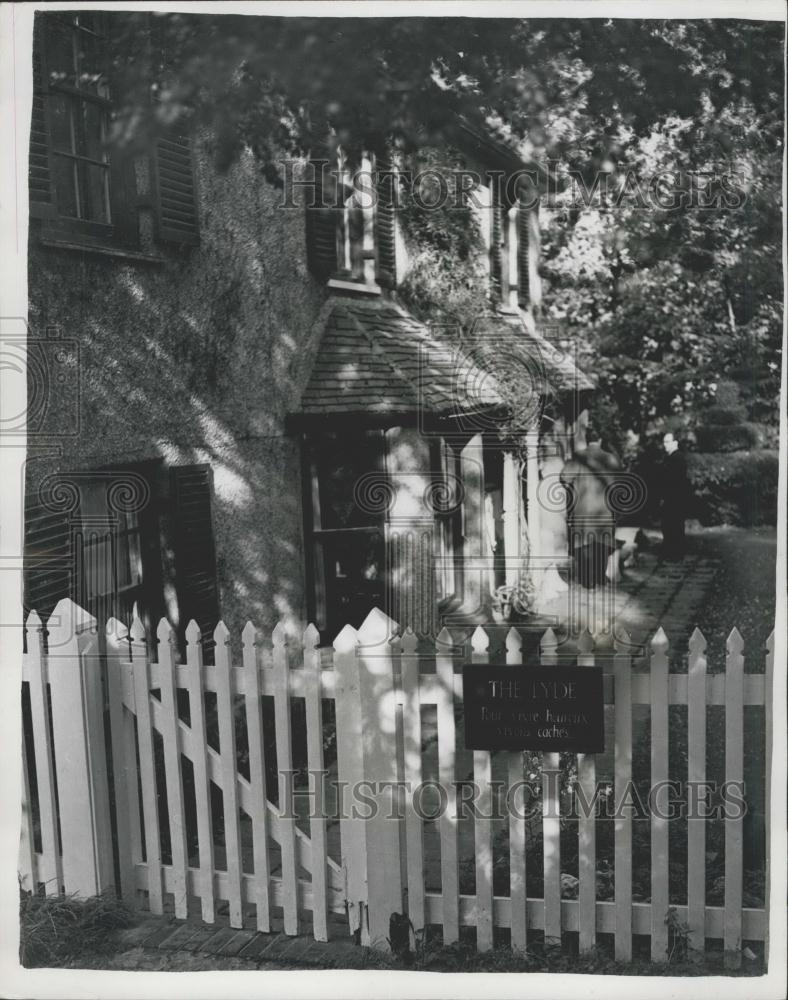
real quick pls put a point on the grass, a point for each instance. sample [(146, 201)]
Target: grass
[(463, 957), (68, 932), (56, 930)]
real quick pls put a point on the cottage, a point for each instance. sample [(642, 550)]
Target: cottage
[(240, 417)]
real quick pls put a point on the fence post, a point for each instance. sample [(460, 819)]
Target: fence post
[(366, 722), (80, 753), (124, 759), (379, 722)]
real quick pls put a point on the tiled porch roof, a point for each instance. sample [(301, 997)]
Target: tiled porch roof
[(373, 357)]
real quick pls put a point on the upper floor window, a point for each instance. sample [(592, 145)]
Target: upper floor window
[(82, 186), (351, 225), (513, 237), (79, 115)]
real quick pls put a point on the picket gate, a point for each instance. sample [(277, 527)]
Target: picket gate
[(279, 871)]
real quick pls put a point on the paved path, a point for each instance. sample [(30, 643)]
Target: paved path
[(178, 939), (649, 595)]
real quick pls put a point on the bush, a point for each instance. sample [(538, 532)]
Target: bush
[(723, 415), (728, 437), (735, 488)]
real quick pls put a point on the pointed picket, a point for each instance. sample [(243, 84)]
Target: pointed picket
[(284, 758), (380, 755), (172, 766), (514, 645), (411, 734), (447, 751), (551, 816), (622, 667), (480, 641), (202, 787), (517, 874), (313, 694), (696, 775), (482, 826), (150, 800), (659, 692), (254, 728), (124, 758), (377, 629), (349, 729), (51, 873), (586, 825), (734, 774), (225, 708)]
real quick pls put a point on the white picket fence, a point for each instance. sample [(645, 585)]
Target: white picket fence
[(379, 688)]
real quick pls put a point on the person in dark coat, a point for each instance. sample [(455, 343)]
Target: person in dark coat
[(592, 530), (675, 498)]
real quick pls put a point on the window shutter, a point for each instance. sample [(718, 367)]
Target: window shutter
[(385, 225), (49, 564), (39, 172), (496, 243), (195, 552), (322, 229), (523, 254), (175, 191)]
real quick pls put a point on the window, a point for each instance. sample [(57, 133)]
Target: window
[(123, 539), (351, 227), (514, 250), (111, 559), (81, 186), (362, 553), (79, 107), (348, 537)]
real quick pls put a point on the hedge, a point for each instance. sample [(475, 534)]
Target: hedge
[(734, 488), (728, 438)]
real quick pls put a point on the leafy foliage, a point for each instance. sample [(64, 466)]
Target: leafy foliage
[(667, 274), (446, 280), (735, 488)]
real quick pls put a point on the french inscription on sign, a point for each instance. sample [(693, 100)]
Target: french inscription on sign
[(533, 708)]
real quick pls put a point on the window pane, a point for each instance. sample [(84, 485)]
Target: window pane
[(91, 62), (355, 577), (61, 125), (94, 187), (93, 125), (341, 464), (64, 170), (60, 53)]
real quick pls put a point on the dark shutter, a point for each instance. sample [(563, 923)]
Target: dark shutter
[(195, 552), (175, 191), (523, 253), (40, 178), (49, 564), (385, 225), (496, 242), (322, 219)]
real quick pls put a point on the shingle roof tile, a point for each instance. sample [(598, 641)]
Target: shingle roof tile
[(374, 356)]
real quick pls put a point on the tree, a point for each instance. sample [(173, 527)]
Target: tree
[(664, 299)]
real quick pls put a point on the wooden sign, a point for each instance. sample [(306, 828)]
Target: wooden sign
[(533, 708)]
